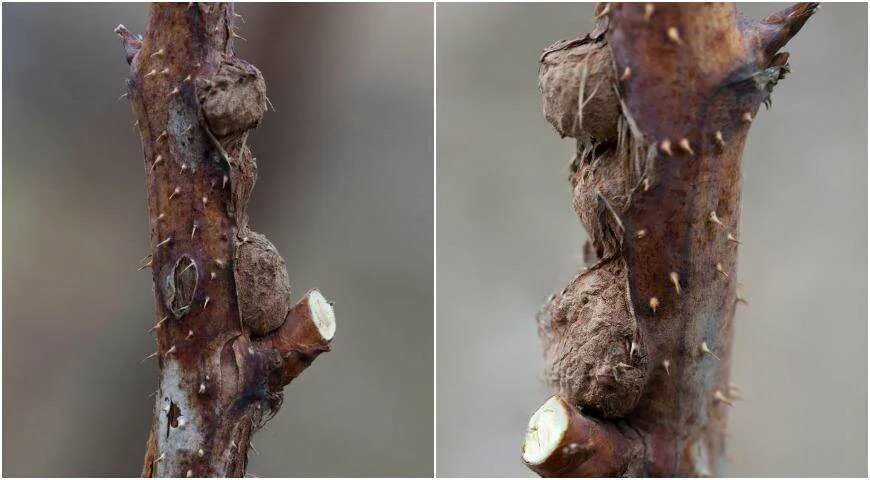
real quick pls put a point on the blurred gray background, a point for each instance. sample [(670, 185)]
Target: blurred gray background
[(345, 193), (507, 238)]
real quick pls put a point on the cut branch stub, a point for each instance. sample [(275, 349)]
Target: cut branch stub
[(561, 442), (228, 341), (660, 201), (304, 334)]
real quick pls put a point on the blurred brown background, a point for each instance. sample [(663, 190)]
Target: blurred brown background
[(507, 238), (345, 193)]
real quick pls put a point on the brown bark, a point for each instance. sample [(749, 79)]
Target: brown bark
[(640, 342), (228, 339)]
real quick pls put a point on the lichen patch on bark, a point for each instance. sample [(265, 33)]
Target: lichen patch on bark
[(184, 436)]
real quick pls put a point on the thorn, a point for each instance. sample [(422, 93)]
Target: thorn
[(156, 161), (631, 350), (183, 167), (160, 458), (640, 233), (715, 219), (706, 349), (604, 12), (152, 72), (674, 35), (226, 179), (157, 325), (220, 263), (190, 474), (648, 10), (136, 123), (626, 74), (175, 192), (158, 53), (143, 267), (236, 35), (684, 144), (675, 279), (174, 92), (200, 452), (192, 232), (747, 117), (739, 299), (719, 139), (253, 448), (161, 136), (205, 303), (124, 95), (731, 238), (201, 391), (232, 444), (149, 357), (722, 398), (205, 200), (720, 269), (187, 79), (646, 184), (165, 71), (164, 242), (667, 364), (189, 335), (169, 352), (654, 304), (666, 147), (212, 275), (239, 17)]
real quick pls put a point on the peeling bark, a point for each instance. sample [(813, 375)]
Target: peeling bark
[(638, 346), (228, 339)]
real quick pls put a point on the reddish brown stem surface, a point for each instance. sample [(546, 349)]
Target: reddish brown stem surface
[(659, 193), (222, 369)]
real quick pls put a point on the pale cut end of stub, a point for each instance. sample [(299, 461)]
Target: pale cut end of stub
[(322, 315), (546, 430)]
